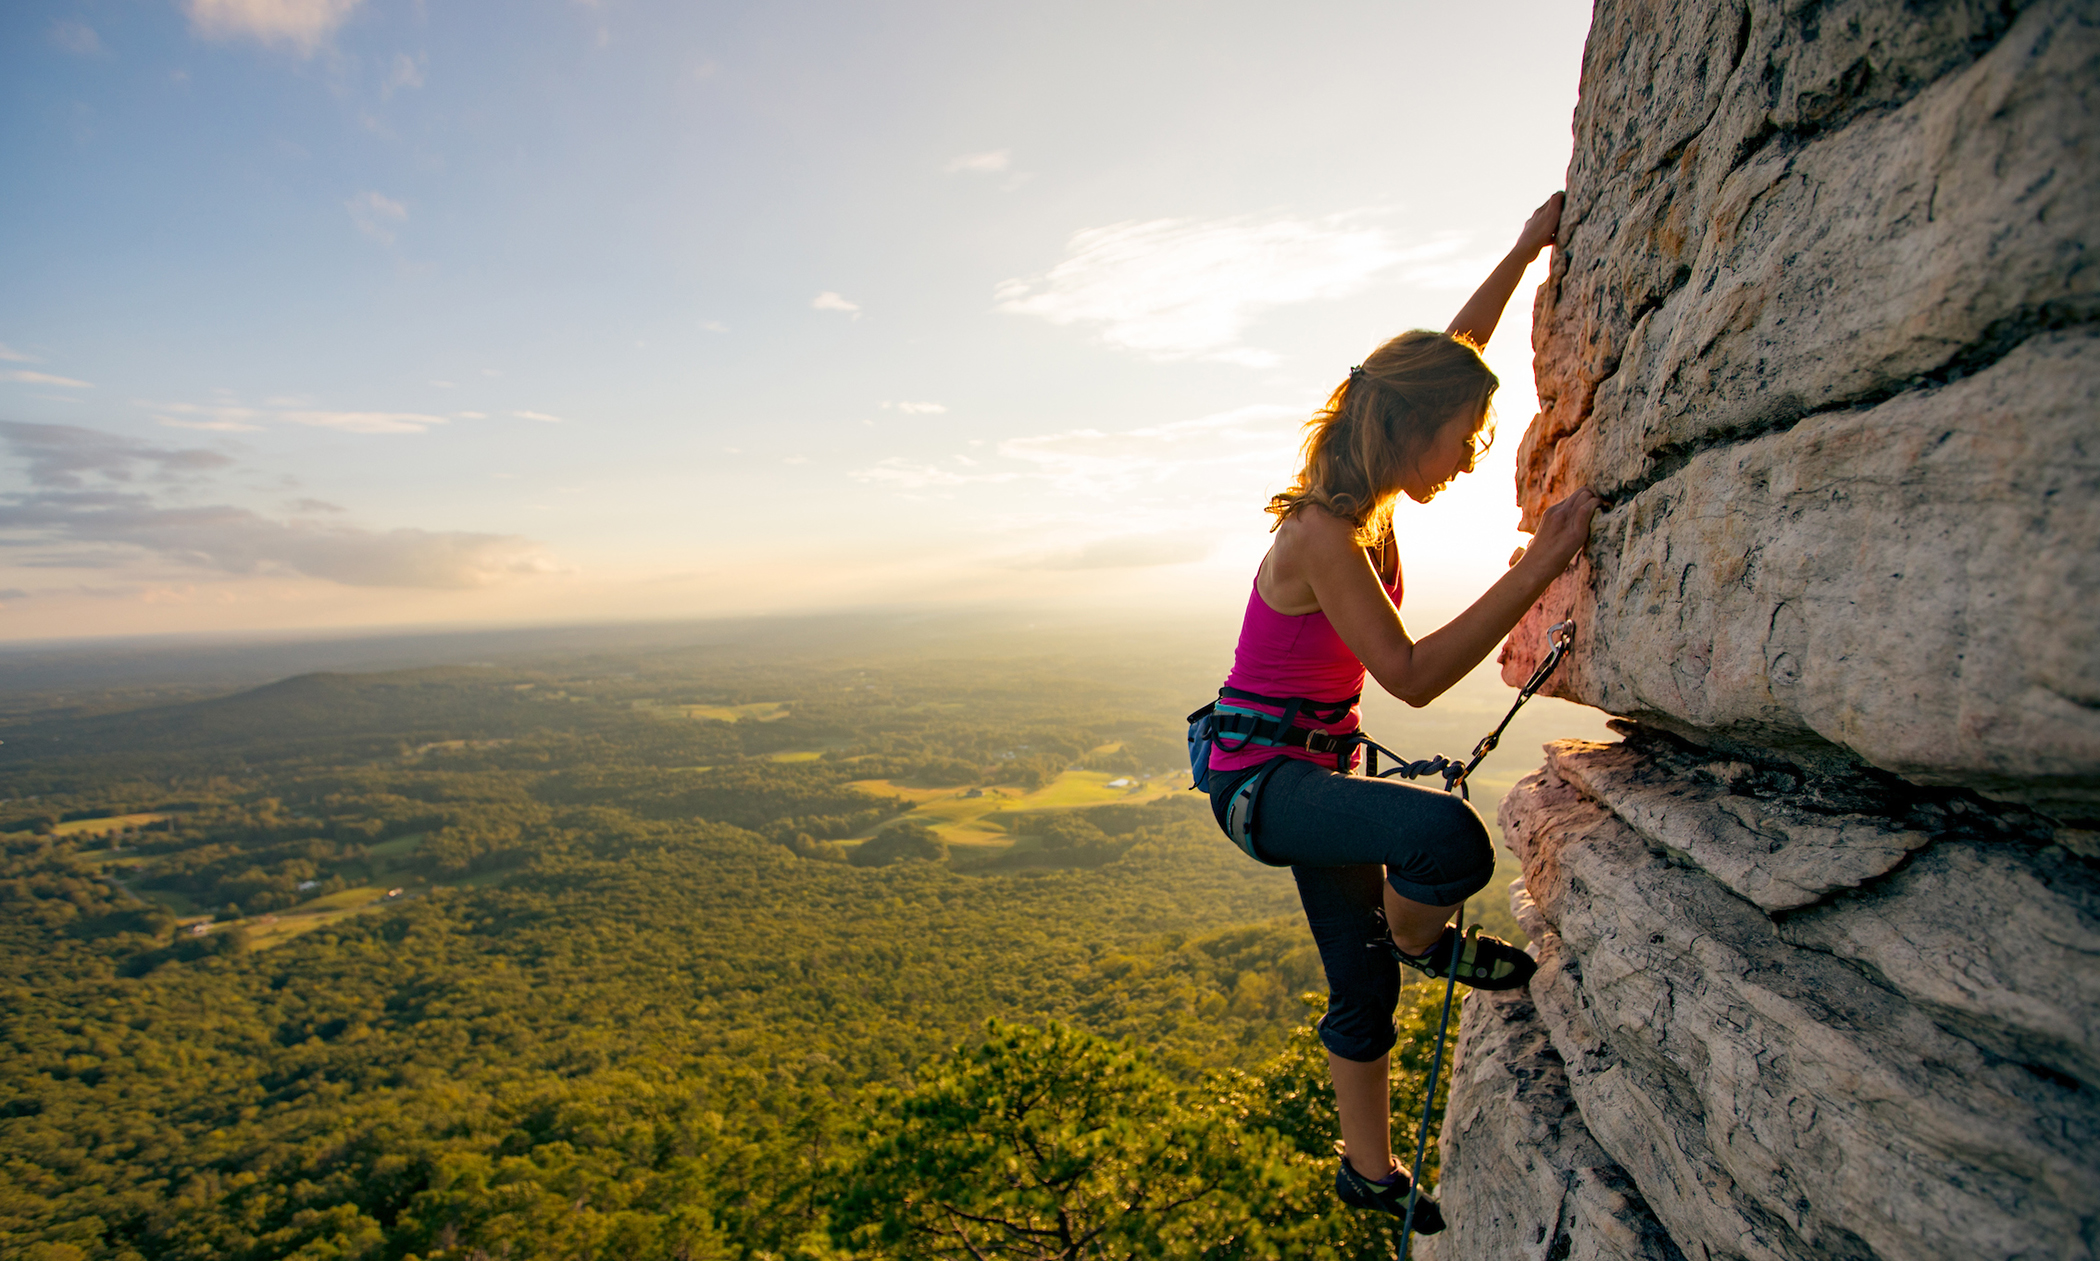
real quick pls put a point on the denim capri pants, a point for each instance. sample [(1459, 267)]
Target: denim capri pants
[(1341, 835)]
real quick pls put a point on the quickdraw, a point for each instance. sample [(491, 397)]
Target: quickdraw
[(1559, 638)]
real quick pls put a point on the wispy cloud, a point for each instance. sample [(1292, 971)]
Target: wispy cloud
[(1125, 551), (235, 540), (1237, 450), (12, 355), (372, 211), (982, 163), (67, 457), (366, 422), (234, 417), (900, 473), (23, 376), (915, 409), (1226, 447), (1185, 288), (214, 426), (97, 499), (539, 416), (76, 37), (216, 417), (406, 72), (829, 301), (302, 25), (1087, 498)]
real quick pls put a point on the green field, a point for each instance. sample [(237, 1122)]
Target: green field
[(176, 901), (964, 820), (274, 930), (265, 931), (399, 848), (82, 828), (757, 711)]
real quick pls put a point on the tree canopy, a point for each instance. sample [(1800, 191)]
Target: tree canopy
[(564, 961)]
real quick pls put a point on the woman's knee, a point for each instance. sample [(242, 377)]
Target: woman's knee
[(1359, 1024), (1458, 865), (1470, 837)]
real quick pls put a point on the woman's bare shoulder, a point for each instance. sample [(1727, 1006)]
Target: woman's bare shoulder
[(1313, 527), (1309, 539)]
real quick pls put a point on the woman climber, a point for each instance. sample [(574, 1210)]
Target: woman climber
[(1380, 865)]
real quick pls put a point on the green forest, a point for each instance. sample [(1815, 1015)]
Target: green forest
[(816, 951)]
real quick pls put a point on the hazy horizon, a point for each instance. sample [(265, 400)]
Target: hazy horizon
[(339, 316)]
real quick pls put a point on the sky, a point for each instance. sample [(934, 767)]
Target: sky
[(358, 314)]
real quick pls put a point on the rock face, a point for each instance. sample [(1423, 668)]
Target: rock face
[(1534, 1185), (1819, 941), (1823, 328), (1771, 1087)]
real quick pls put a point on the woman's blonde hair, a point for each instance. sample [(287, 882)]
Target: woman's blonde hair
[(1379, 421)]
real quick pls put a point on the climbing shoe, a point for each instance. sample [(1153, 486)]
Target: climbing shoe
[(1485, 963), (1386, 1197)]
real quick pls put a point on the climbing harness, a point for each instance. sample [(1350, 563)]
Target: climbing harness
[(1231, 726), (1226, 723), (1222, 721)]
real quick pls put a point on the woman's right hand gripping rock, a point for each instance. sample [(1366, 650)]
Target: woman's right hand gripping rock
[(1563, 529)]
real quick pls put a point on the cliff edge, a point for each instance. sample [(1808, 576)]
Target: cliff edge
[(1819, 937)]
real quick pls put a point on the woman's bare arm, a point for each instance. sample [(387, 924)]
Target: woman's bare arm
[(1320, 551), (1476, 320)]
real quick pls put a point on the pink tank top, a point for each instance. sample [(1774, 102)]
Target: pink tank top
[(1286, 655)]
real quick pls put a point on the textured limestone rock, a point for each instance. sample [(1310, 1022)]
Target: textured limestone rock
[(1823, 326), (1775, 210), (1772, 1100), (1536, 1185), (1523, 1179), (1915, 582), (1772, 852), (2000, 946)]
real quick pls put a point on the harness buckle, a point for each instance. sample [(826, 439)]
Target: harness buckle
[(1320, 740)]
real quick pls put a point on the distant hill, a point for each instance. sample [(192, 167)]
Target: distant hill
[(404, 704)]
